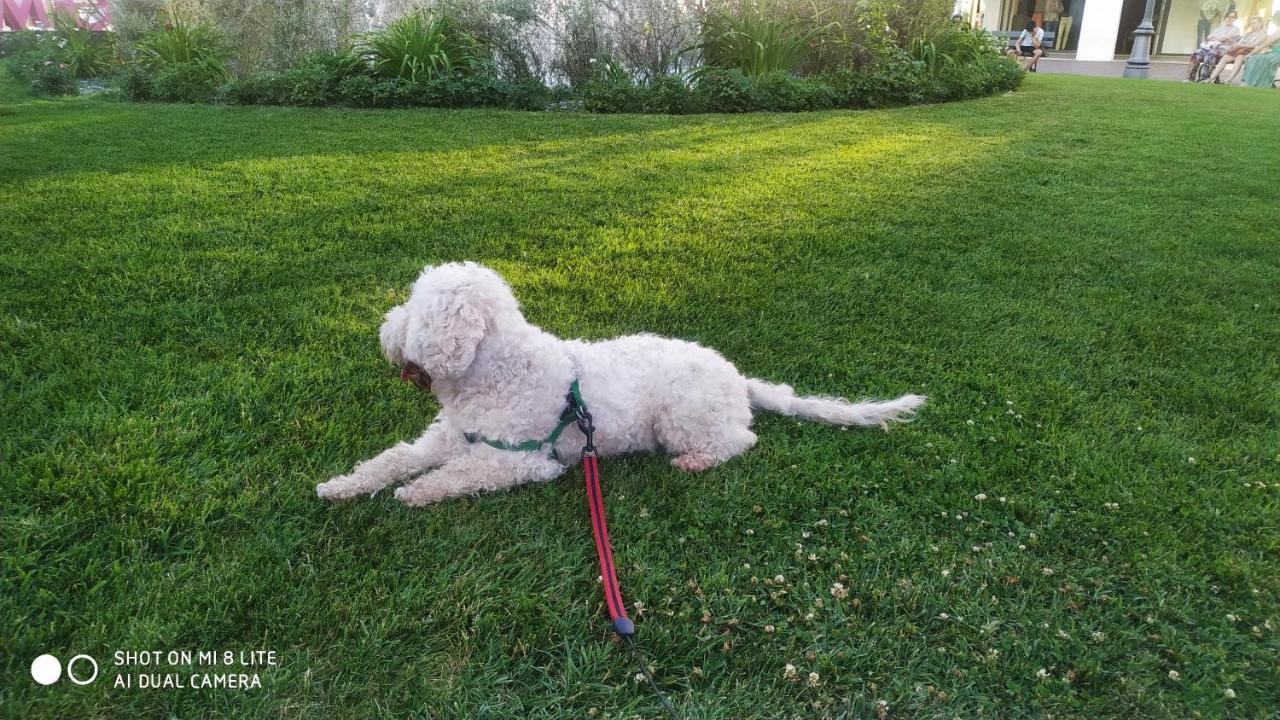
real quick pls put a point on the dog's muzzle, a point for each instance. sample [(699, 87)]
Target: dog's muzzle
[(413, 373)]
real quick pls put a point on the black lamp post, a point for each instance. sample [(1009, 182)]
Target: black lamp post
[(1139, 64)]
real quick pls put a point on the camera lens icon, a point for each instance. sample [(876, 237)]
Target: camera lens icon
[(71, 676), (47, 669)]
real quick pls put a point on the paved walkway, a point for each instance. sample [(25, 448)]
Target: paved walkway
[(1161, 69)]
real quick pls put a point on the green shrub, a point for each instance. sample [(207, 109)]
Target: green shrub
[(896, 80), (780, 92), (138, 83), (977, 78), (24, 66), (88, 53), (951, 46), (256, 89), (419, 46), (462, 91), (23, 42), (393, 93), (310, 86), (757, 38), (187, 62), (54, 78), (725, 91), (182, 43), (314, 82), (669, 95), (527, 94), (357, 91), (39, 69), (193, 82), (613, 95)]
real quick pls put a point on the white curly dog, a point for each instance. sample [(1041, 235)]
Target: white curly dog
[(499, 379)]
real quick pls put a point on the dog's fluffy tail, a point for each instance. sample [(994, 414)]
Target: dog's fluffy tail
[(837, 411)]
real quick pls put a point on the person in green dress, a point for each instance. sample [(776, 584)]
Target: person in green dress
[(1263, 63)]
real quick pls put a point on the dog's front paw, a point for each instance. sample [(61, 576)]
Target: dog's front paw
[(338, 488), (414, 496)]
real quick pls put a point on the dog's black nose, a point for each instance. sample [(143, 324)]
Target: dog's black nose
[(413, 373)]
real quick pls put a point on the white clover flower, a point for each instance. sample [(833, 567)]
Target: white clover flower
[(1042, 674), (769, 628), (1046, 571), (1098, 636), (814, 679), (943, 616), (1191, 460), (838, 590), (1064, 634), (1229, 693), (789, 672), (946, 573), (980, 497), (779, 579), (1174, 675), (751, 531)]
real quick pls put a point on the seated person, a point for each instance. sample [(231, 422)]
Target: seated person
[(1234, 54), (1205, 56), (1029, 45), (1262, 68)]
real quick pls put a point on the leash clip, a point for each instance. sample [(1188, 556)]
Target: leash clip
[(585, 424)]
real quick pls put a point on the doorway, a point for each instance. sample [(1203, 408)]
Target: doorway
[(1130, 17)]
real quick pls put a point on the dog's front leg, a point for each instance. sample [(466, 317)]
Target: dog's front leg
[(480, 469), (401, 461)]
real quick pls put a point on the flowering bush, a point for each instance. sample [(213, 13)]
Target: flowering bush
[(54, 78)]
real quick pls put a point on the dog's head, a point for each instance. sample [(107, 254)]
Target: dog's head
[(436, 332)]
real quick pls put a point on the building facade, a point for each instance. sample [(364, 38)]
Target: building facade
[(1103, 29), (38, 14)]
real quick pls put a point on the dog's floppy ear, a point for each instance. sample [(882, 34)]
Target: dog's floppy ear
[(392, 335), (450, 338)]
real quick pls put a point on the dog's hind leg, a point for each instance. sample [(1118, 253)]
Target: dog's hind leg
[(703, 437), (480, 469), (713, 448), (707, 427), (401, 461)]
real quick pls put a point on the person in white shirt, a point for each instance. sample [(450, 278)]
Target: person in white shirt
[(1030, 45)]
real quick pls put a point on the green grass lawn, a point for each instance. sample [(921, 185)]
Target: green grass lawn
[(1083, 276)]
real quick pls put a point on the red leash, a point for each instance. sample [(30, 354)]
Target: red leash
[(604, 550), (622, 624)]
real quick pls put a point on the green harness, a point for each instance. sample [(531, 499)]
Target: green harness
[(575, 410)]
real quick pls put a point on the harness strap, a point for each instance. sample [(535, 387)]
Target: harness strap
[(567, 418)]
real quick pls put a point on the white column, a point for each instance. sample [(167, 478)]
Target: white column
[(1098, 30), (991, 12)]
